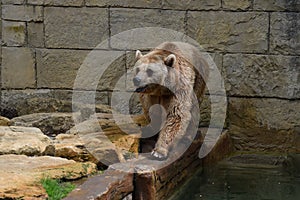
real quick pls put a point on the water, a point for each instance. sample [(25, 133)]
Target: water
[(243, 181)]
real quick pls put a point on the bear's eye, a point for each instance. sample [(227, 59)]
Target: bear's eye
[(149, 72), (137, 70)]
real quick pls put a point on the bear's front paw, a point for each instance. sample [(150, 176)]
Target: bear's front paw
[(160, 153)]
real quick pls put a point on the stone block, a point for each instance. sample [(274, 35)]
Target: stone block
[(22, 13), (276, 5), (125, 19), (114, 77), (77, 27), (58, 68), (229, 31), (15, 2), (13, 33), (57, 71), (237, 4), (35, 33), (125, 3), (17, 68), (192, 4), (215, 80), (264, 125), (56, 2), (262, 75), (219, 113), (125, 102), (284, 33), (129, 19)]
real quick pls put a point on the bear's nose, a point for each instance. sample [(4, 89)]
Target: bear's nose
[(136, 81)]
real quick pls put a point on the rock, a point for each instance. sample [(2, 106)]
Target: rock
[(124, 3), (277, 5), (51, 124), (56, 2), (35, 34), (15, 2), (123, 19), (284, 33), (107, 141), (4, 121), (222, 149), (72, 147), (22, 102), (264, 125), (219, 114), (233, 31), (22, 140), (50, 62), (192, 5), (13, 33), (20, 72), (20, 175), (267, 76), (76, 27), (237, 4), (22, 13)]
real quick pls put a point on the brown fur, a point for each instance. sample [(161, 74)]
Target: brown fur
[(183, 82)]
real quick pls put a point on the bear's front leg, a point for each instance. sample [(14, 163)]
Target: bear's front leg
[(174, 128)]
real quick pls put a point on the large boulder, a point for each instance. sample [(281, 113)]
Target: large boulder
[(71, 147), (4, 121), (50, 124), (22, 140), (108, 141), (20, 175), (56, 123)]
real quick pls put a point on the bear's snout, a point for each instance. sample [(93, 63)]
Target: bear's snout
[(136, 81)]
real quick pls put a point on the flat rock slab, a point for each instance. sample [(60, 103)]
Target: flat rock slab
[(50, 124), (22, 140), (20, 175)]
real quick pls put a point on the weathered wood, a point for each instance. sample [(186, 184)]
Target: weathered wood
[(161, 183), (144, 184)]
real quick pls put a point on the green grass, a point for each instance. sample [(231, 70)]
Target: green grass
[(55, 189)]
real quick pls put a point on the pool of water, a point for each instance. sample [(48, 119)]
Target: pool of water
[(260, 178)]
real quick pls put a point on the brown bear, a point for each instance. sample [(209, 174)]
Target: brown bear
[(172, 75)]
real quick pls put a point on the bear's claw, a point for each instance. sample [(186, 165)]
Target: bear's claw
[(158, 155)]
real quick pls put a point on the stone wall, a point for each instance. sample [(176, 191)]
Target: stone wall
[(255, 43)]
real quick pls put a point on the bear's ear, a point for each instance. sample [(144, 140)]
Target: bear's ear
[(138, 54), (170, 60)]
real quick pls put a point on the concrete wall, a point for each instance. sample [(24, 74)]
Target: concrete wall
[(255, 43)]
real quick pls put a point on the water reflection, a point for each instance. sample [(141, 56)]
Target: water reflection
[(243, 181)]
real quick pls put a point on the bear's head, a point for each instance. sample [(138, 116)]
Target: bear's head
[(152, 71)]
